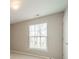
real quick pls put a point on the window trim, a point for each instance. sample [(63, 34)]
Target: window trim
[(38, 49)]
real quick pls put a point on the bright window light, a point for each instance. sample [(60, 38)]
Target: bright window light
[(38, 36)]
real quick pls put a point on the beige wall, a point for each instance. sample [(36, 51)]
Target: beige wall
[(19, 36)]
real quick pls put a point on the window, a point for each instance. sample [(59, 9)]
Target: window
[(38, 36)]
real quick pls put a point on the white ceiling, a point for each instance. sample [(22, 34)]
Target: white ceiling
[(29, 9)]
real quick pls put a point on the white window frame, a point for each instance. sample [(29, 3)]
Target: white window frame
[(45, 49)]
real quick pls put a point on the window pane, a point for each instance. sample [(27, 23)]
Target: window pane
[(43, 42), (31, 30), (37, 30), (44, 29), (31, 42), (37, 42)]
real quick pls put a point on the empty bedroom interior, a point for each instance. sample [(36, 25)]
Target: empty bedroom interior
[(38, 29)]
